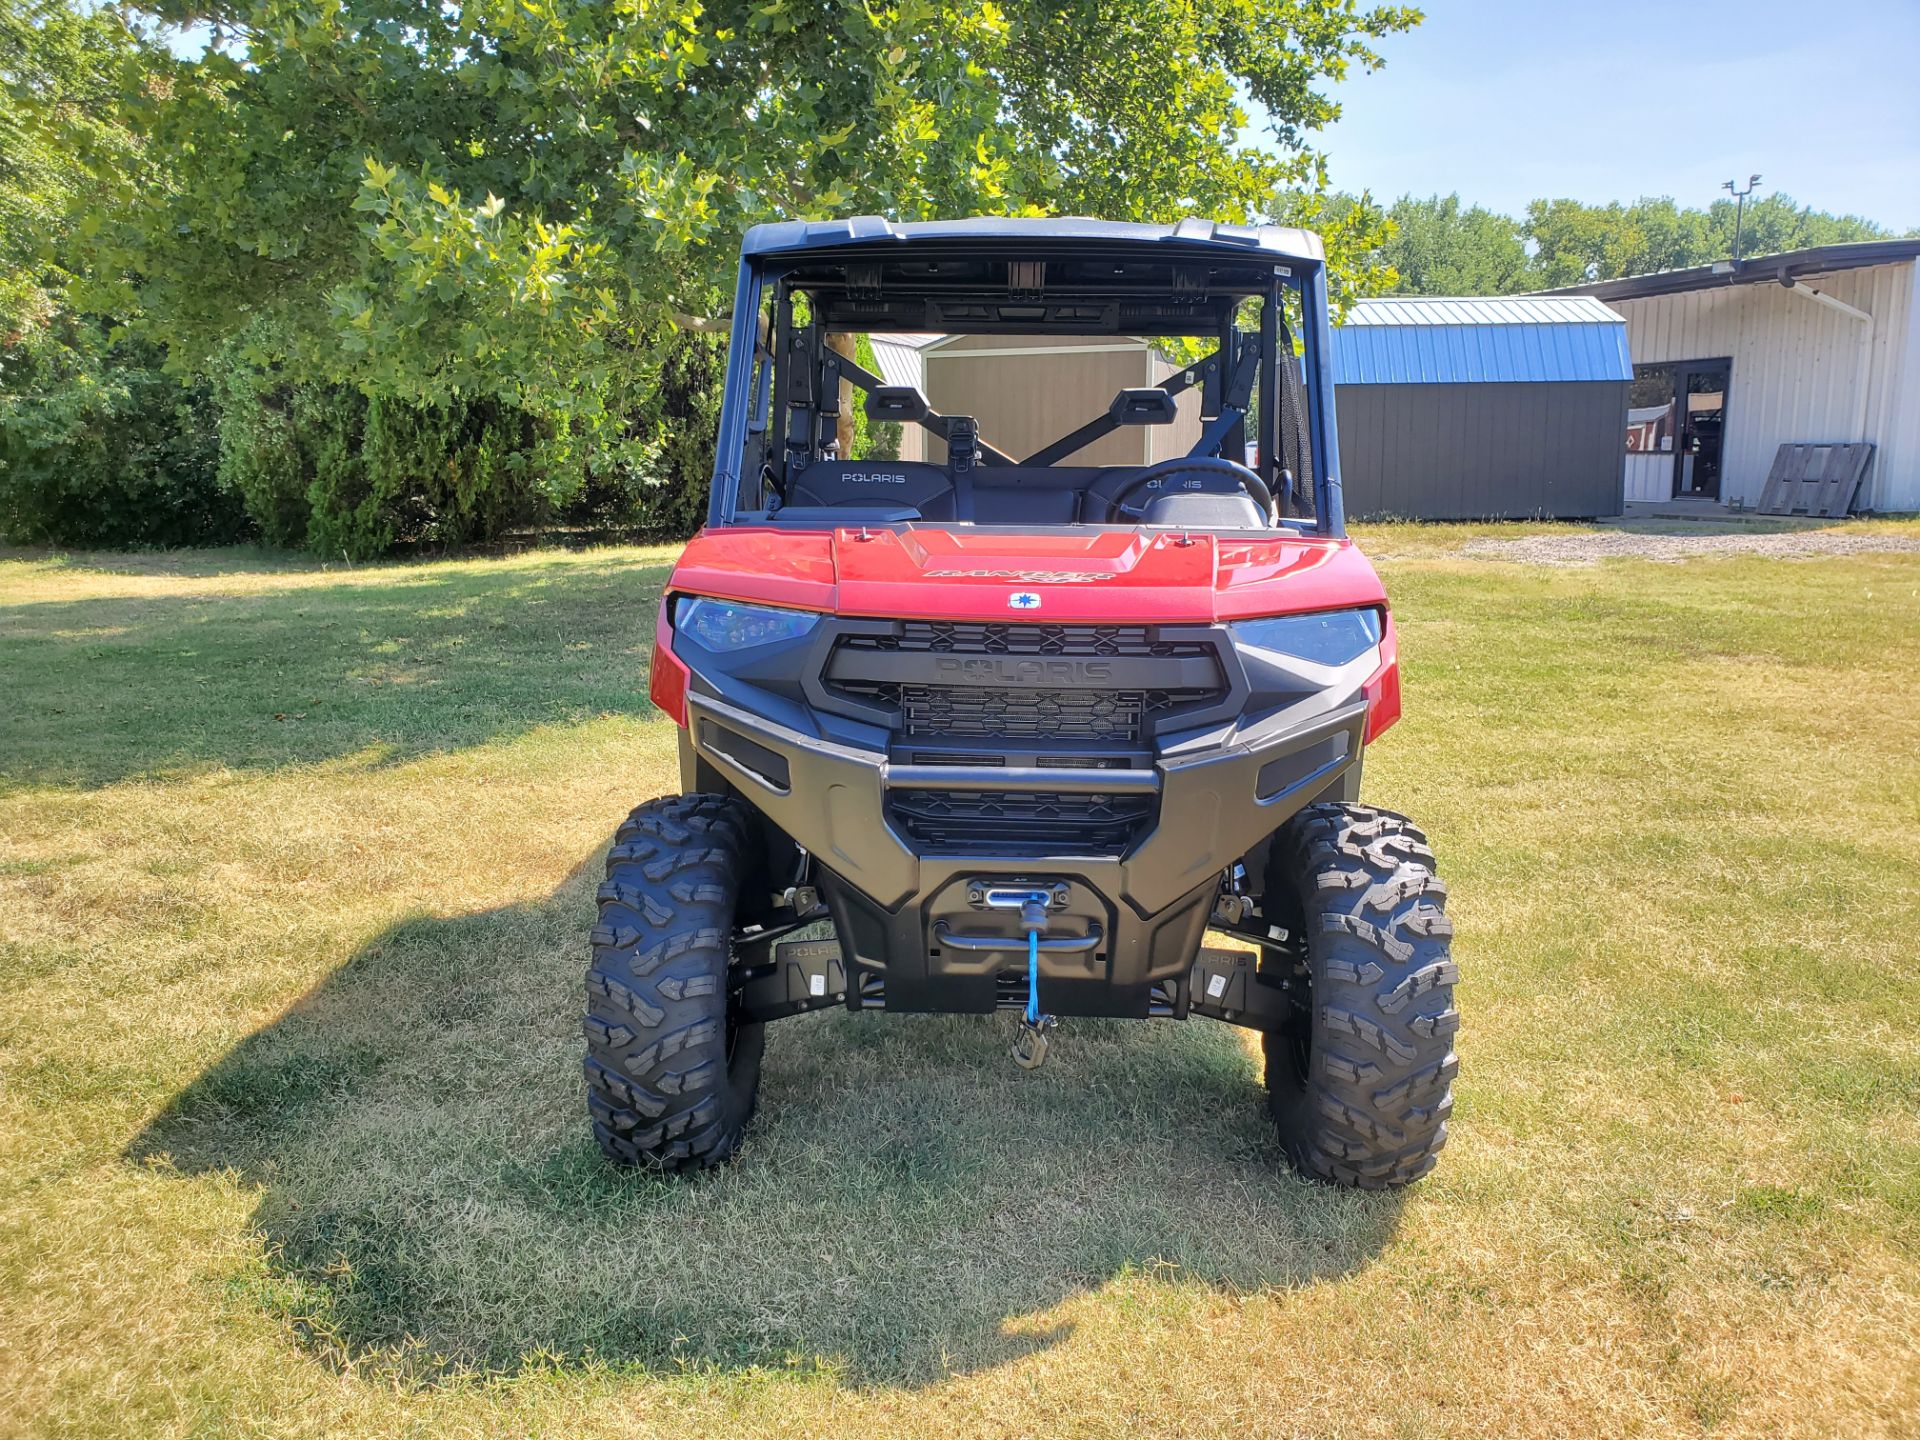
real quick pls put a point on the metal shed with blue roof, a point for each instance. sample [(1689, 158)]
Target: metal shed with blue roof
[(1456, 409)]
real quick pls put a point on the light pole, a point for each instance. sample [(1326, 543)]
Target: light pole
[(1739, 209)]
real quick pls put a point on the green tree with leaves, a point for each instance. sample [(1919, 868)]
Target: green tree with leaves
[(62, 73), (1574, 242), (1356, 232), (1773, 224), (523, 198), (97, 445), (1438, 246)]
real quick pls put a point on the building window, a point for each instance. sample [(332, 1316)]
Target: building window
[(1650, 410)]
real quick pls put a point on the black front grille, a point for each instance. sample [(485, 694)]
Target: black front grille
[(963, 713), (962, 822), (977, 680), (952, 637)]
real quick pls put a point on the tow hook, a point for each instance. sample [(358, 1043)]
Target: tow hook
[(1031, 1041)]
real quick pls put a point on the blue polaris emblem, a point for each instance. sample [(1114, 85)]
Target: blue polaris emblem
[(1023, 600)]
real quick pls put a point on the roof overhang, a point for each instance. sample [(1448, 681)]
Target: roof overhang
[(1759, 270)]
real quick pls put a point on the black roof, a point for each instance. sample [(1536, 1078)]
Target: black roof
[(787, 236), (1755, 270)]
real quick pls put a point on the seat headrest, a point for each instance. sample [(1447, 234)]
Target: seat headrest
[(896, 402), (1152, 406), (871, 482)]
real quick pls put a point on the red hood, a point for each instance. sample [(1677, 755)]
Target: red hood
[(1122, 576)]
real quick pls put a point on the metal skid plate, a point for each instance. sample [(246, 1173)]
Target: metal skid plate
[(804, 975), (1226, 985)]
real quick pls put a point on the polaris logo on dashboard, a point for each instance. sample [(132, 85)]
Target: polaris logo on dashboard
[(1025, 672)]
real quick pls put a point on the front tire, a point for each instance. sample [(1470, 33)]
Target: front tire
[(1360, 1078), (672, 1074)]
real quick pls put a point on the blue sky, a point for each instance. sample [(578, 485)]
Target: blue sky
[(1506, 101)]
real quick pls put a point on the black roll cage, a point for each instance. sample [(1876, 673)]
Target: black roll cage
[(781, 404)]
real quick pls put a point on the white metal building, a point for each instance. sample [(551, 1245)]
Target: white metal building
[(1816, 346)]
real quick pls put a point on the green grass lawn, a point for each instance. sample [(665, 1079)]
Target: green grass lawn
[(296, 867)]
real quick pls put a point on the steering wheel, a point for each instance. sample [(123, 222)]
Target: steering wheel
[(1191, 464)]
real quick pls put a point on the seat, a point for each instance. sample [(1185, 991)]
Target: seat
[(827, 483), (1200, 499), (1200, 511)]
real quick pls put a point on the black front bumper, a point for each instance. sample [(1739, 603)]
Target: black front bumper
[(1133, 918)]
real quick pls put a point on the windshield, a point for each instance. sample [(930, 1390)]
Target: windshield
[(995, 391)]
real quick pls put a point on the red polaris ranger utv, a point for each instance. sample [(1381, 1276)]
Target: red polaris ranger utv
[(1069, 664)]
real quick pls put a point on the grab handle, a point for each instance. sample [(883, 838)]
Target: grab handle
[(1050, 944)]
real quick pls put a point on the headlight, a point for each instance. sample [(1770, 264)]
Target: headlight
[(729, 625), (1332, 638)]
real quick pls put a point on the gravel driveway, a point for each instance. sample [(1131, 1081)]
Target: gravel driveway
[(1592, 547)]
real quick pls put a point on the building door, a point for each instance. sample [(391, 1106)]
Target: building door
[(1700, 392), (1676, 413)]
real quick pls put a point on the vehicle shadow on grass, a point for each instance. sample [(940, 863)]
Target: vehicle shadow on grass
[(909, 1204), (383, 668)]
